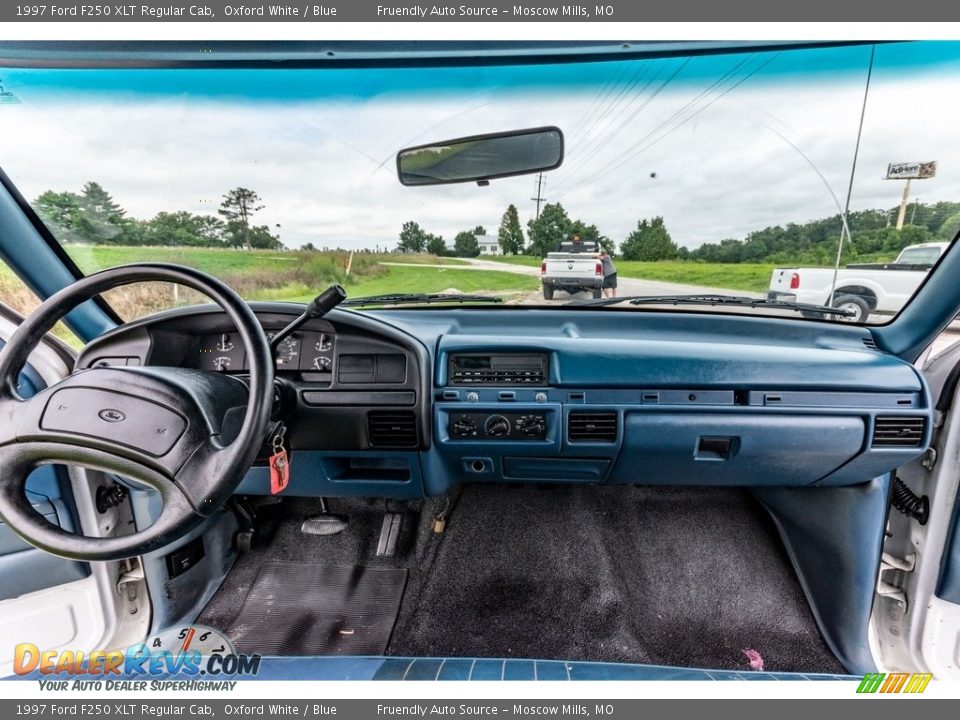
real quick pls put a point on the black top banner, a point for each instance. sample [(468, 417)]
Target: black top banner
[(478, 11)]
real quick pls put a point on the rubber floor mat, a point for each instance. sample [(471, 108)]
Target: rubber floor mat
[(296, 608)]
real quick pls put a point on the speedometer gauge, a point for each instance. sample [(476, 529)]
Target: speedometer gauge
[(288, 352)]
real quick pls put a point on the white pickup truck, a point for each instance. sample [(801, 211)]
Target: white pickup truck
[(881, 288), (573, 272)]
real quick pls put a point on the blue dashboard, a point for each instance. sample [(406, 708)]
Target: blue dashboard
[(410, 403)]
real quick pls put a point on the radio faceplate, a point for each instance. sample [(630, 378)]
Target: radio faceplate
[(498, 370)]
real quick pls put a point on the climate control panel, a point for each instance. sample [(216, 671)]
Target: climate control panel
[(497, 426)]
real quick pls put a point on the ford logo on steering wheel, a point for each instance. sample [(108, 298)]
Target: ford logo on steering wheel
[(112, 416)]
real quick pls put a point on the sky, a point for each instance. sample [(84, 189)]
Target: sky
[(719, 146)]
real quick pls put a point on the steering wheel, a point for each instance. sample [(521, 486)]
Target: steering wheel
[(191, 435)]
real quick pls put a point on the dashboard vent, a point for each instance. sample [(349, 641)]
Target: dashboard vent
[(899, 431), (870, 342), (392, 429), (592, 427)]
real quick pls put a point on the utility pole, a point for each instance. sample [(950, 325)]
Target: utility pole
[(539, 198)]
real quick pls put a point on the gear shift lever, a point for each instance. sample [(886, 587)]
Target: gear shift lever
[(318, 307)]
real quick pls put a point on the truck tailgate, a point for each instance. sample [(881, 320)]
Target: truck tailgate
[(780, 280), (573, 266)]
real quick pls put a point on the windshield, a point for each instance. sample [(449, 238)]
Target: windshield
[(727, 174), (919, 256)]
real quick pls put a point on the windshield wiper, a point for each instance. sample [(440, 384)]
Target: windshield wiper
[(419, 298), (740, 300)]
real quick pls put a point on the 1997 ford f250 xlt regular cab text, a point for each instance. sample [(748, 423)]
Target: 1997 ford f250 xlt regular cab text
[(881, 288)]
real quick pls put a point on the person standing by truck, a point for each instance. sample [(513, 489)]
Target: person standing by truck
[(609, 275)]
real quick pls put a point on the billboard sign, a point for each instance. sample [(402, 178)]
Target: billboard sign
[(911, 170)]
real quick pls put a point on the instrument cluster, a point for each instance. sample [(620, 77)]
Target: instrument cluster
[(302, 351)]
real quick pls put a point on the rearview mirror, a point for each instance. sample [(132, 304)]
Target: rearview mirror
[(481, 158)]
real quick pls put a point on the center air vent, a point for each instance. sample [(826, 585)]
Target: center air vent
[(899, 431), (392, 429), (592, 427)]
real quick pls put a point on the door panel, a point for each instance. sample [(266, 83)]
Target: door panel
[(23, 568), (53, 603)]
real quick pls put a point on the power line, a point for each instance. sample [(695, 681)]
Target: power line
[(587, 152), (607, 139), (598, 100), (634, 150), (605, 111), (703, 93)]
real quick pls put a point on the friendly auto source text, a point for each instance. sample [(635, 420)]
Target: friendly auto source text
[(425, 11)]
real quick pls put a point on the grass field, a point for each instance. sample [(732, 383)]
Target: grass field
[(753, 277), (262, 275), (430, 280)]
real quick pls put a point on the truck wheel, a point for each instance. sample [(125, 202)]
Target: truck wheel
[(548, 292), (597, 293), (854, 303)]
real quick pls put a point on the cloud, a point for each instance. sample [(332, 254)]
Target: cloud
[(325, 167)]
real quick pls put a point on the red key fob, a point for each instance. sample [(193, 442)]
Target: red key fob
[(279, 471)]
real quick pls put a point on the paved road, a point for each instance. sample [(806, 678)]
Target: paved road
[(627, 286)]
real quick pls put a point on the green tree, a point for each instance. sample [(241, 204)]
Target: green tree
[(436, 245), (100, 219), (262, 239), (549, 230), (949, 227), (59, 211), (510, 235), (413, 238), (591, 233), (238, 207), (184, 229), (650, 241), (257, 237), (465, 244)]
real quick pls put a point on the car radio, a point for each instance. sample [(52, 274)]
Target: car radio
[(505, 369)]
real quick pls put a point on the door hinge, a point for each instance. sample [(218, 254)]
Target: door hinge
[(130, 577), (890, 582)]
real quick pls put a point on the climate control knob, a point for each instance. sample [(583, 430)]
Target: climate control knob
[(463, 428), (496, 426), (531, 426)]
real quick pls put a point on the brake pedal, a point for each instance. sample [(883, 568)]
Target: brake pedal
[(326, 523), (389, 534), (323, 525)]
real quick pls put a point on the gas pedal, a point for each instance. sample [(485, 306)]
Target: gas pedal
[(389, 534)]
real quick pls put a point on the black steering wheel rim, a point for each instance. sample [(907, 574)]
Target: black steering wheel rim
[(194, 480)]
